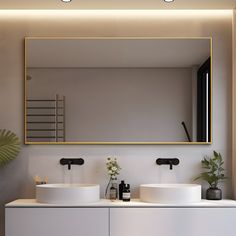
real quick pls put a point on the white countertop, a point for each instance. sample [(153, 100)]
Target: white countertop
[(134, 203)]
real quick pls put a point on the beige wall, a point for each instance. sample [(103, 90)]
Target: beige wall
[(137, 162)]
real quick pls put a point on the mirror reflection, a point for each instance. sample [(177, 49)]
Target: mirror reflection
[(118, 90)]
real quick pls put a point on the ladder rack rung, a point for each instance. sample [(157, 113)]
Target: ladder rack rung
[(43, 115), (44, 108), (45, 100), (44, 129), (43, 122), (43, 137)]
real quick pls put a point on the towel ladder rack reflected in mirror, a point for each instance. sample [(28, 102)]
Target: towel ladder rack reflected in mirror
[(46, 119)]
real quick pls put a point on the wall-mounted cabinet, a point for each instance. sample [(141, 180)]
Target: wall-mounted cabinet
[(122, 221)]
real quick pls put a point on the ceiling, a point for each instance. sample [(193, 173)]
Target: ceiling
[(74, 53), (117, 4)]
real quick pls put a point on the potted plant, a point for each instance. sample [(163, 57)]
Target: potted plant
[(9, 146), (213, 175)]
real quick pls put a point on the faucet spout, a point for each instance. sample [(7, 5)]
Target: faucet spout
[(171, 165), (69, 165)]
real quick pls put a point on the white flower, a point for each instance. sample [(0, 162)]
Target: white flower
[(112, 167)]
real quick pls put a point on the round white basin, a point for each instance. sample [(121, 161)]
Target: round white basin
[(67, 193), (170, 193)]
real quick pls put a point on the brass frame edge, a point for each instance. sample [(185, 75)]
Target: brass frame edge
[(25, 95), (120, 143)]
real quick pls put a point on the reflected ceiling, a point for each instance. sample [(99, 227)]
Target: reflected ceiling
[(116, 53)]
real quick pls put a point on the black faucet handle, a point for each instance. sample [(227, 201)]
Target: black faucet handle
[(175, 161), (71, 161), (167, 161), (78, 161)]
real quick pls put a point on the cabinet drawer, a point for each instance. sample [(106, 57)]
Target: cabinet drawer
[(173, 222), (57, 222)]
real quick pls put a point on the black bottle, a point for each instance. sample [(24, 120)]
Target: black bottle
[(126, 193), (121, 189)]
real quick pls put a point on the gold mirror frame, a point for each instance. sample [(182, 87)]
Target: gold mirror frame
[(113, 143)]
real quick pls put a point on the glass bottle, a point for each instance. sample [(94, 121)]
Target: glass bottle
[(113, 190)]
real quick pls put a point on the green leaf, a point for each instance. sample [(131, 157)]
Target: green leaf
[(9, 146)]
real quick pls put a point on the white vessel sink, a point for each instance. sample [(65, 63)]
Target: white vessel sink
[(67, 193), (170, 193)]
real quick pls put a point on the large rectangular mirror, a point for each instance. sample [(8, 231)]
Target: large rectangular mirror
[(118, 90)]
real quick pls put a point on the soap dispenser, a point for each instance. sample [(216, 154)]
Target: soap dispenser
[(126, 193)]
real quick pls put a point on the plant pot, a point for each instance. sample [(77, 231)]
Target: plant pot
[(213, 194)]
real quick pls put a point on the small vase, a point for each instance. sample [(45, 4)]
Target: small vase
[(213, 194), (111, 189)]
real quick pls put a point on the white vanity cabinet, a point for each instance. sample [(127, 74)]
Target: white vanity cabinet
[(26, 217), (57, 222), (173, 221)]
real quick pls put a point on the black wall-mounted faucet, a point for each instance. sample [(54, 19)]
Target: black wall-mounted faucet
[(71, 161), (168, 161)]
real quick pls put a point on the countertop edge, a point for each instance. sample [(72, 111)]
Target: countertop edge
[(134, 203)]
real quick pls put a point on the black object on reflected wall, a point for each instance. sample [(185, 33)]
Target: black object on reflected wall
[(204, 102), (186, 131)]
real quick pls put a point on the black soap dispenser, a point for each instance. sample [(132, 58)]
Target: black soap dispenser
[(126, 193), (121, 189)]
